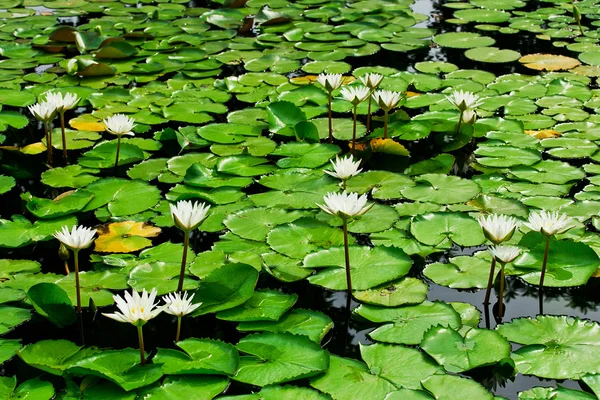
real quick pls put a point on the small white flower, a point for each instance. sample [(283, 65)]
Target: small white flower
[(464, 100), (187, 215), (136, 309), (387, 99), (179, 305), (469, 116), (62, 103), (43, 111), (330, 82), (345, 205), (355, 94), (371, 80), (505, 254), (78, 238), (344, 168), (498, 228), (549, 223), (119, 124)]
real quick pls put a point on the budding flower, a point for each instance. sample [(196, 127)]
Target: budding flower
[(505, 254), (371, 80), (498, 228)]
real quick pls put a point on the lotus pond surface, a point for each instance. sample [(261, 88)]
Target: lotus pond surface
[(448, 116)]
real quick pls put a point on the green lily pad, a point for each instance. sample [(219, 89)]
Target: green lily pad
[(434, 228), (404, 291), (199, 356), (459, 273), (313, 324), (441, 189), (264, 305)]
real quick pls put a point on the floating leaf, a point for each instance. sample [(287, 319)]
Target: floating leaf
[(124, 237), (548, 62)]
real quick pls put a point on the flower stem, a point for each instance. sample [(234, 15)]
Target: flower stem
[(77, 287), (385, 124), (67, 272), (141, 340), (354, 131), (64, 137), (330, 120), (501, 295), (48, 132), (490, 281), (178, 328), (118, 150), (186, 242), (347, 258), (344, 184), (543, 270), (369, 115), (458, 125)]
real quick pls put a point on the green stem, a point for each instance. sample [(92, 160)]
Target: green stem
[(459, 123), (77, 287), (186, 242), (48, 133), (354, 131), (344, 184), (118, 150), (178, 329), (490, 281), (330, 120), (544, 269), (501, 295), (385, 124), (141, 340), (67, 272), (347, 258), (369, 114), (64, 137)]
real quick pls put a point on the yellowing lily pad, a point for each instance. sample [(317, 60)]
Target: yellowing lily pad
[(388, 146), (548, 62), (124, 237), (309, 79), (87, 122), (543, 133)]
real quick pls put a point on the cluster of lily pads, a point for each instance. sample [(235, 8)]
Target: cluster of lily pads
[(222, 104)]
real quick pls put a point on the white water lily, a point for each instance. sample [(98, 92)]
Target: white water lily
[(371, 80), (464, 100), (188, 215), (549, 223), (43, 111), (469, 116), (498, 228), (345, 205), (136, 309), (119, 124), (505, 254), (179, 304), (344, 168), (78, 238), (60, 102), (386, 99), (330, 82), (355, 94)]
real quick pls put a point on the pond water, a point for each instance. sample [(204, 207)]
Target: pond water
[(228, 111)]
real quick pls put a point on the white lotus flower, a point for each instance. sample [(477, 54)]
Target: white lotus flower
[(43, 111), (464, 100), (371, 80), (469, 116), (345, 205), (330, 82), (344, 168), (78, 238), (498, 228), (62, 103), (355, 94), (187, 215), (549, 223), (505, 254), (179, 304), (386, 99), (119, 124), (136, 309)]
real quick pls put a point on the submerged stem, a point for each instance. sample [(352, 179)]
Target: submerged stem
[(141, 340), (347, 258), (186, 242), (490, 281), (118, 150), (330, 121), (64, 137)]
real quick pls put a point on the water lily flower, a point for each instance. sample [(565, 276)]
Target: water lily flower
[(119, 124), (355, 94), (330, 82), (464, 100), (179, 305), (78, 238), (137, 310), (504, 255), (549, 223), (498, 228), (386, 100), (371, 80), (187, 216), (344, 168), (469, 117), (45, 112), (61, 104), (345, 205)]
